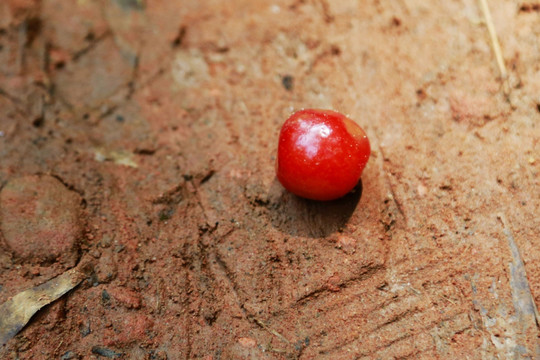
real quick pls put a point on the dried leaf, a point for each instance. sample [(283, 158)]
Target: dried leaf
[(16, 312), (118, 157)]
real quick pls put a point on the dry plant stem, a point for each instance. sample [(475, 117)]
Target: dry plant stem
[(271, 331), (521, 289), (496, 47)]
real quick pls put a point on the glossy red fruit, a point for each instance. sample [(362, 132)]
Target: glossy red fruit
[(321, 154)]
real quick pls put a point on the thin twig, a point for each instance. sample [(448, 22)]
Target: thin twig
[(496, 47), (271, 331)]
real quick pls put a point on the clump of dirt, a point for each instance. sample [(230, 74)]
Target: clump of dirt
[(40, 219)]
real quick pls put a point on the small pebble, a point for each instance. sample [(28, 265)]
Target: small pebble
[(108, 353), (85, 329), (69, 355), (288, 82), (247, 342), (105, 298)]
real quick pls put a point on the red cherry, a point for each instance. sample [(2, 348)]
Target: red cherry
[(321, 154)]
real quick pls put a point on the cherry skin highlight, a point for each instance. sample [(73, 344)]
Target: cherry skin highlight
[(321, 154)]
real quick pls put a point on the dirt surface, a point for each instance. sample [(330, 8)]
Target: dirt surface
[(154, 124)]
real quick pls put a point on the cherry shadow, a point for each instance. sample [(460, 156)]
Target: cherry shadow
[(297, 216)]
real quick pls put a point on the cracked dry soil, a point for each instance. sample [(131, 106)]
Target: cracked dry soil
[(139, 136)]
